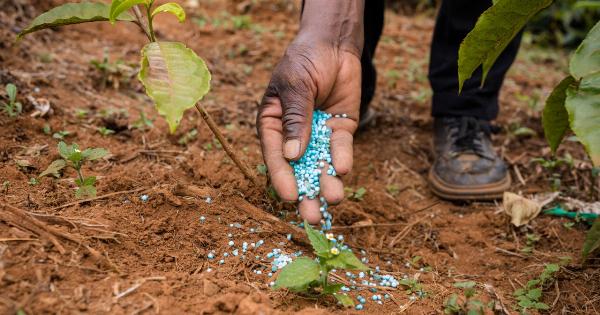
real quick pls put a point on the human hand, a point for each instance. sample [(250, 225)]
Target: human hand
[(312, 75)]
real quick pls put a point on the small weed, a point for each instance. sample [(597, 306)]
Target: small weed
[(262, 169), (105, 131), (13, 108), (188, 136), (357, 194), (60, 135), (143, 122), (392, 76), (392, 189), (114, 73), (529, 296), (47, 129), (413, 287), (569, 225), (74, 158), (81, 113), (33, 181), (5, 186), (468, 305), (532, 239), (310, 276), (551, 165)]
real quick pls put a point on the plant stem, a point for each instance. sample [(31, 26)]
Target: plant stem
[(141, 22), (150, 28), (80, 176), (215, 130)]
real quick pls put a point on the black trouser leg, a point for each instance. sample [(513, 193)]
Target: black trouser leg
[(373, 20), (455, 19)]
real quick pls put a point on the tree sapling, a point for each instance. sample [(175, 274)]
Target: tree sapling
[(12, 108), (74, 158)]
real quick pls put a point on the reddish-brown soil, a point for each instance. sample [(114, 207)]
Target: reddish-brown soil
[(151, 256)]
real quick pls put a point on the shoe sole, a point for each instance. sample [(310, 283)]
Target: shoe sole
[(448, 191)]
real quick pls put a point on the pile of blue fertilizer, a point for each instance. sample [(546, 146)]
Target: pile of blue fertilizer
[(309, 167)]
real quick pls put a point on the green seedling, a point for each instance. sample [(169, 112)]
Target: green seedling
[(262, 169), (143, 122), (74, 158), (174, 77), (60, 135), (531, 240), (114, 73), (33, 181), (12, 108), (5, 186), (470, 306), (310, 276), (81, 113), (188, 136), (105, 131), (357, 194), (413, 287), (47, 130), (529, 297)]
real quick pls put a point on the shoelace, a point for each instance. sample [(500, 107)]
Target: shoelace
[(467, 132)]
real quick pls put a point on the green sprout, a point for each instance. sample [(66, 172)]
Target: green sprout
[(530, 295), (13, 108), (468, 305), (311, 275), (74, 158)]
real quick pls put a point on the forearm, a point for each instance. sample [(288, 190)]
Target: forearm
[(339, 22)]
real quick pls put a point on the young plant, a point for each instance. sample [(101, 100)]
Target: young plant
[(174, 77), (105, 131), (468, 305), (113, 73), (13, 108), (529, 296), (74, 158), (573, 104), (310, 276)]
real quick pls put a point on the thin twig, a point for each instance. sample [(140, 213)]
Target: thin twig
[(141, 22), (215, 130), (74, 203), (17, 239), (502, 250)]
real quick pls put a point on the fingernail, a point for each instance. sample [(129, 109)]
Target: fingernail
[(291, 149)]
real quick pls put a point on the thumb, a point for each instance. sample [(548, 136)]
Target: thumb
[(297, 103)]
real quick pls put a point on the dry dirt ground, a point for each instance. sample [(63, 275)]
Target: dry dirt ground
[(121, 255)]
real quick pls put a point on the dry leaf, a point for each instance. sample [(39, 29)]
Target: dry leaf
[(520, 209)]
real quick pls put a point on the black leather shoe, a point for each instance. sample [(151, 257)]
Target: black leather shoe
[(466, 167)]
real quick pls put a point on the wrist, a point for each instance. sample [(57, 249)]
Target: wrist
[(334, 22)]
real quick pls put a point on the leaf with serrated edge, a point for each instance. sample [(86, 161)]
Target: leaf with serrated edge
[(318, 241), (173, 8), (346, 260), (119, 6), (174, 77), (344, 299), (54, 167), (94, 153), (494, 30), (555, 118), (586, 59), (298, 274), (584, 118), (592, 240), (72, 13)]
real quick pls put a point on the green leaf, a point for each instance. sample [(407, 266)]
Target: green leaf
[(72, 13), (332, 288), (118, 7), (94, 153), (525, 302), (298, 274), (584, 118), (541, 306), (534, 294), (587, 4), (88, 181), (346, 260), (318, 241), (85, 192), (344, 299), (174, 77), (494, 30), (586, 59), (533, 283), (555, 118), (465, 285), (11, 91), (172, 8), (54, 167), (592, 240), (519, 292)]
